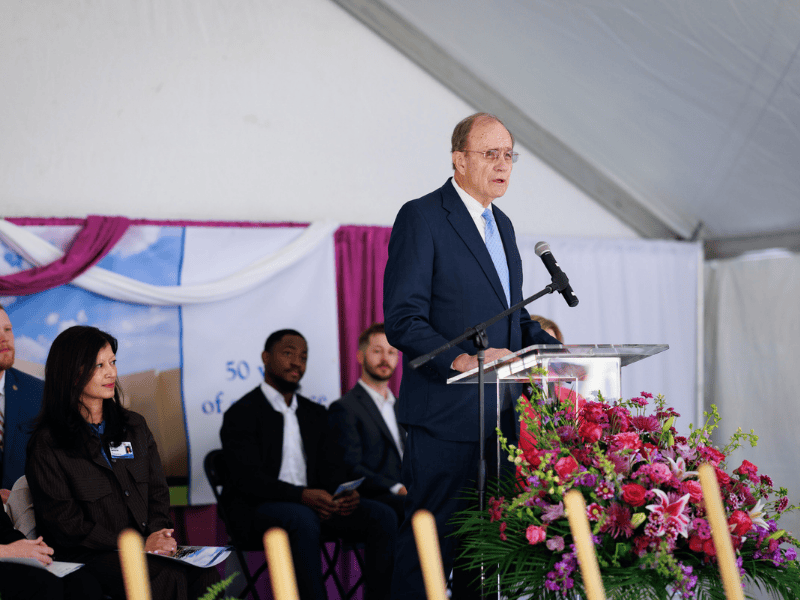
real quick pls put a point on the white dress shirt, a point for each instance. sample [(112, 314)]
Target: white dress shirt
[(386, 408), (475, 210), (293, 458)]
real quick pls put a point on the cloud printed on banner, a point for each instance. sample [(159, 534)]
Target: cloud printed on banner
[(32, 350), (59, 236), (136, 240)]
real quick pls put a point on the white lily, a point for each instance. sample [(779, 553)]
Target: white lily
[(757, 513)]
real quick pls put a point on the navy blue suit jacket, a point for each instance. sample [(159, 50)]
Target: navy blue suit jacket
[(439, 281), (23, 401)]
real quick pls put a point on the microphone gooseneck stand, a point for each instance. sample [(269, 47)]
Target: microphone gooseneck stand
[(479, 338)]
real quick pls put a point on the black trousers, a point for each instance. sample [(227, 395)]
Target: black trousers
[(21, 582), (436, 473), (169, 579)]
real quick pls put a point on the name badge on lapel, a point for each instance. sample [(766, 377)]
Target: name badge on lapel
[(124, 450)]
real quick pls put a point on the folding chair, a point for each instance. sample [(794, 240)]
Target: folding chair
[(217, 475)]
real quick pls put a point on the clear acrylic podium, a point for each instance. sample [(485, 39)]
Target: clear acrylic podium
[(584, 369)]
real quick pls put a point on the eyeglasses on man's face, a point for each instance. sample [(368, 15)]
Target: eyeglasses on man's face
[(495, 154)]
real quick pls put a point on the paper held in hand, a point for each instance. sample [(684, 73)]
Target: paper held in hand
[(348, 486), (57, 568)]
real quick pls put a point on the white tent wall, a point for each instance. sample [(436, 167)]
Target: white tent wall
[(248, 110), (752, 332)]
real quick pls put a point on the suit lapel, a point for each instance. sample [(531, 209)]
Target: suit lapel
[(369, 405), (510, 245), (462, 222)]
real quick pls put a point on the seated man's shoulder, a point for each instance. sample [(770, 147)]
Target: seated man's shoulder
[(348, 402), (26, 381)]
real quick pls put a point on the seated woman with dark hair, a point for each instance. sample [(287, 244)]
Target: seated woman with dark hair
[(94, 470)]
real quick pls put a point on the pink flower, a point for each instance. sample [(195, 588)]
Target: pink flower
[(672, 513), (556, 544), (712, 455), (535, 534), (626, 441), (594, 511), (618, 521), (604, 490), (646, 424), (694, 489), (565, 466)]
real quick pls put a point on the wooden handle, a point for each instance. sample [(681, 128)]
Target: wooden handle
[(134, 565), (582, 534), (720, 533), (430, 557), (281, 567)]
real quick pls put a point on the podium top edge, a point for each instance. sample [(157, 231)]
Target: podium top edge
[(527, 357)]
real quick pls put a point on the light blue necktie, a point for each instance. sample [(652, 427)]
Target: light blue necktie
[(495, 247)]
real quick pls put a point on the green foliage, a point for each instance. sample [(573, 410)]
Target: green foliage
[(216, 589)]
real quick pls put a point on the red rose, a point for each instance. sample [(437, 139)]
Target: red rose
[(722, 477), (565, 466), (739, 523), (694, 489), (696, 543), (633, 494), (593, 411), (590, 432), (708, 548)]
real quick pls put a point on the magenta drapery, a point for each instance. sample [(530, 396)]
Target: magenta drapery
[(93, 242), (361, 255)]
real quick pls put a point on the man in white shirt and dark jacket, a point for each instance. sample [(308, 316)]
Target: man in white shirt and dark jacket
[(284, 469)]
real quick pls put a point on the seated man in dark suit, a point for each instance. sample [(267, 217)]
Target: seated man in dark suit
[(20, 401), (284, 469), (365, 421)]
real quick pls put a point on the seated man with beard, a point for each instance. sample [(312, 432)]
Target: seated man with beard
[(365, 420), (284, 469)]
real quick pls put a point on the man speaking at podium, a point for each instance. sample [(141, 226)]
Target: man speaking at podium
[(453, 263)]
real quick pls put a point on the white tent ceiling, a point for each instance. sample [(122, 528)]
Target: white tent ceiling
[(681, 117)]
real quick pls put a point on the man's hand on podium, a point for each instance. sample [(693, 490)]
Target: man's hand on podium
[(467, 362)]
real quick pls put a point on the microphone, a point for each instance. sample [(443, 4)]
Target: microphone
[(560, 279)]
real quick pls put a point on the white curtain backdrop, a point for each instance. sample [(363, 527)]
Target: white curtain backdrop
[(222, 341), (630, 292), (753, 351)]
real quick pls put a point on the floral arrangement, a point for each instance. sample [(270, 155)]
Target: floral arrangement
[(644, 502)]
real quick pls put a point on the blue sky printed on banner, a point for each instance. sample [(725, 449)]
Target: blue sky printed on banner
[(148, 336)]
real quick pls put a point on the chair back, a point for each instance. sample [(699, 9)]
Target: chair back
[(216, 472)]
